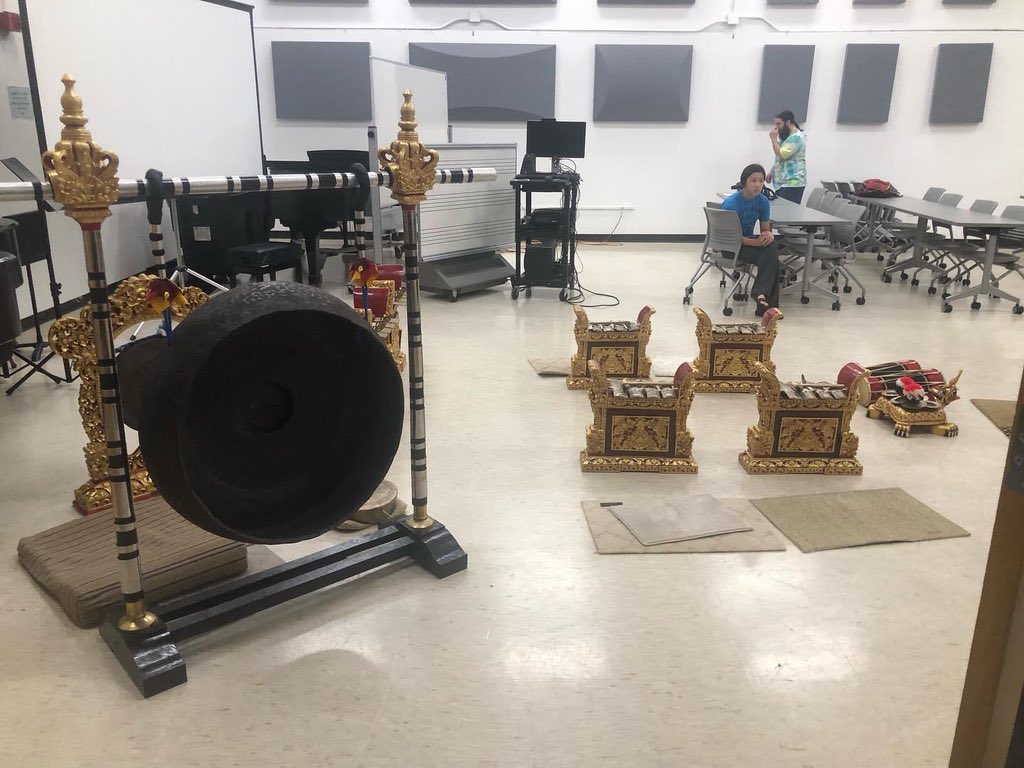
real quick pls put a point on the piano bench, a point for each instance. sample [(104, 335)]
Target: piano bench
[(259, 259)]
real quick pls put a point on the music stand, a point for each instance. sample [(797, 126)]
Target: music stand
[(32, 239)]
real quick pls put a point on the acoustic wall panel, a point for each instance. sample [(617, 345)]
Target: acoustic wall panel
[(493, 82), (642, 83), (785, 81), (968, 2), (322, 80), (483, 2), (868, 76), (961, 83)]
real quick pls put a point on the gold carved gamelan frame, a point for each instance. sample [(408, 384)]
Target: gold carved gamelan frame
[(796, 435), (619, 353), (638, 434), (388, 327), (71, 338), (728, 352)]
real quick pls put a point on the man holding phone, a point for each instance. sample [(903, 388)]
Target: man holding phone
[(789, 174)]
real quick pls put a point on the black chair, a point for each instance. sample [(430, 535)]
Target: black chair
[(340, 161), (24, 237), (228, 235), (10, 281)]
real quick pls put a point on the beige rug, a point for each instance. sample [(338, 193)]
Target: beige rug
[(691, 517), (855, 518), (999, 412), (559, 366), (611, 537), (550, 366)]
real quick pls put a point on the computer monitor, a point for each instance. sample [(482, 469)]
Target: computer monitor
[(553, 138)]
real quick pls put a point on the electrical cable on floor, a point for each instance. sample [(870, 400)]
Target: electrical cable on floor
[(581, 294)]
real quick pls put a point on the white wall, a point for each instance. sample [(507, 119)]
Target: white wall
[(18, 139), (190, 109), (666, 172)]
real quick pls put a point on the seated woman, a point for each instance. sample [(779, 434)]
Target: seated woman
[(759, 246)]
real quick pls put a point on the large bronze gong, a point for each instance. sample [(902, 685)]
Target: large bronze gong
[(273, 415)]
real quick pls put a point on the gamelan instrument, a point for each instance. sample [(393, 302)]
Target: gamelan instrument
[(879, 378), (271, 415)]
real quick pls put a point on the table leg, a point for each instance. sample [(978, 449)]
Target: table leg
[(808, 261), (873, 224)]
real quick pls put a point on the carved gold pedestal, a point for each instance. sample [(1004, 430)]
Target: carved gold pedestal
[(620, 348), (390, 330), (639, 425), (728, 353), (802, 429), (388, 326), (904, 419), (71, 338), (931, 414)]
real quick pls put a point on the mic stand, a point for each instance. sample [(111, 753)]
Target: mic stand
[(154, 214)]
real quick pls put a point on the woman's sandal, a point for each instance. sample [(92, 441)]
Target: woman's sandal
[(762, 305)]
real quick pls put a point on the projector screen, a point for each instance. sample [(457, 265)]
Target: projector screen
[(166, 85)]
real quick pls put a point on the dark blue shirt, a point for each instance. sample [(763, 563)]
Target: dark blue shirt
[(750, 211)]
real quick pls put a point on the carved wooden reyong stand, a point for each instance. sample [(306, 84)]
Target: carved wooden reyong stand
[(72, 339), (802, 429), (620, 348), (83, 177), (385, 319), (728, 352), (383, 316), (639, 425)]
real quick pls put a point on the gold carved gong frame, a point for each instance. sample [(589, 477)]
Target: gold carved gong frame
[(72, 339)]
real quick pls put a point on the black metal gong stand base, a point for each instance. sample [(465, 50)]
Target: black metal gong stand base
[(151, 657)]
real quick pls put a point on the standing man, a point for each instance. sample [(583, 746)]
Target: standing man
[(789, 174)]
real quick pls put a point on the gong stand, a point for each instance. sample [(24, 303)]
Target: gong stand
[(83, 177)]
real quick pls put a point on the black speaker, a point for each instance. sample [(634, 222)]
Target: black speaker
[(10, 317), (529, 165), (539, 263), (10, 279)]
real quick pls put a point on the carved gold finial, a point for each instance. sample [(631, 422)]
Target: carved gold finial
[(410, 164), (82, 174)]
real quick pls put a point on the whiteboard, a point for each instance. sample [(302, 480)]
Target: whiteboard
[(168, 85), (388, 81), (165, 84)]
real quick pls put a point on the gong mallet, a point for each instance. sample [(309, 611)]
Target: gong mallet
[(358, 227), (362, 198), (154, 215)]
